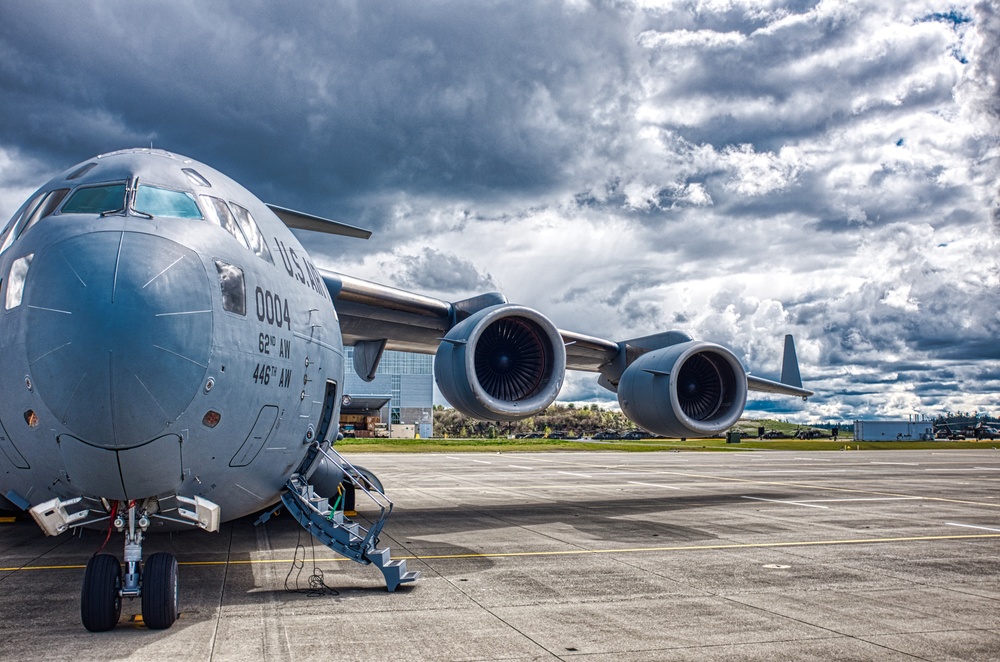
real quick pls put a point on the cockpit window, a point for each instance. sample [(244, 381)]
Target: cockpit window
[(80, 172), (164, 202), (219, 214), (13, 227), (37, 208), (195, 177), (252, 231), (96, 199), (46, 207)]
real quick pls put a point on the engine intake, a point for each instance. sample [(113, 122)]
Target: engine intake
[(692, 389), (504, 362)]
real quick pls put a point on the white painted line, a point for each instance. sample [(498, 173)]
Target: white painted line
[(906, 464), (790, 503), (804, 471), (518, 466), (957, 469), (452, 457), (970, 526), (669, 487), (811, 459), (861, 499), (570, 473), (482, 462)]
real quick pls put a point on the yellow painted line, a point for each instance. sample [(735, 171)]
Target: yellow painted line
[(583, 552), (7, 520)]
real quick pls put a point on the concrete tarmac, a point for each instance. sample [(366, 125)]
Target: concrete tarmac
[(575, 556)]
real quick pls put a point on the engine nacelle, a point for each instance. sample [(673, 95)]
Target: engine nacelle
[(503, 363), (692, 389)]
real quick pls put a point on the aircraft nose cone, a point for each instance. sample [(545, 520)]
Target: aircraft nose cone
[(119, 334)]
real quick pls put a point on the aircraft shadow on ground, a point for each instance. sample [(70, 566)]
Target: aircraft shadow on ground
[(614, 519)]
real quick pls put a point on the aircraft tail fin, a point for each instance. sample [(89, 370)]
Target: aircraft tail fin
[(790, 364)]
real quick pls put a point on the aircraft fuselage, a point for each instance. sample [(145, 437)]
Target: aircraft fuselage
[(163, 333)]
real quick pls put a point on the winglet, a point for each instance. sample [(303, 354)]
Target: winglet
[(790, 364), (298, 220)]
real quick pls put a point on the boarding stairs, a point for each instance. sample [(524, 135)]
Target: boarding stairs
[(329, 525)]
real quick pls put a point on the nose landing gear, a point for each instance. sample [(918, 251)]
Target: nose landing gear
[(155, 581)]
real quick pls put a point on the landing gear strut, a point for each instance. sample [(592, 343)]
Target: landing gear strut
[(104, 583)]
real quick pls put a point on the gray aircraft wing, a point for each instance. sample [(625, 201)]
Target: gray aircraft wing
[(375, 317), (755, 383)]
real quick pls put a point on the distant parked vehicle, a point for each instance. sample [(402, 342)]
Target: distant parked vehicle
[(634, 434), (808, 434), (608, 434), (775, 434)]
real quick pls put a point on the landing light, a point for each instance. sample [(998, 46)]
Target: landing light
[(211, 418)]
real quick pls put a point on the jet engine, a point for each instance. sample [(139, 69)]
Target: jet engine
[(503, 363), (692, 389)]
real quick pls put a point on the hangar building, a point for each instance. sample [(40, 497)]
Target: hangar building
[(401, 395)]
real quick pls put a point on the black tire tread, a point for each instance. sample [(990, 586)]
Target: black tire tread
[(100, 603), (159, 591)]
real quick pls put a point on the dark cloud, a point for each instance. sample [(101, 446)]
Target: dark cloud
[(334, 101)]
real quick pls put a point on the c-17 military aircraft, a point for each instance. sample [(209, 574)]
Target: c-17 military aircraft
[(173, 358)]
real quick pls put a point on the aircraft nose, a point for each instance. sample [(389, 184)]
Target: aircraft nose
[(119, 334)]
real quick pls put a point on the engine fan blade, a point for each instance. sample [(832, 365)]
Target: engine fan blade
[(699, 387), (510, 360)]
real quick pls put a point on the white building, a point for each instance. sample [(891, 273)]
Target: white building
[(893, 430)]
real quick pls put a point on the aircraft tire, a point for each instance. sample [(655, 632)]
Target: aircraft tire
[(159, 591), (100, 600)]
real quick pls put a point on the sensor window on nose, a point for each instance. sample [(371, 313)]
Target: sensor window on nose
[(15, 282), (234, 293)]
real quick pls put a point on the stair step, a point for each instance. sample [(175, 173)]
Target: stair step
[(380, 557), (343, 536), (395, 573)]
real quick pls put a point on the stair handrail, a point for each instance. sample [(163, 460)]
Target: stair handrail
[(357, 479)]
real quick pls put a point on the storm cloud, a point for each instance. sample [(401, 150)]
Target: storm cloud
[(740, 169)]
